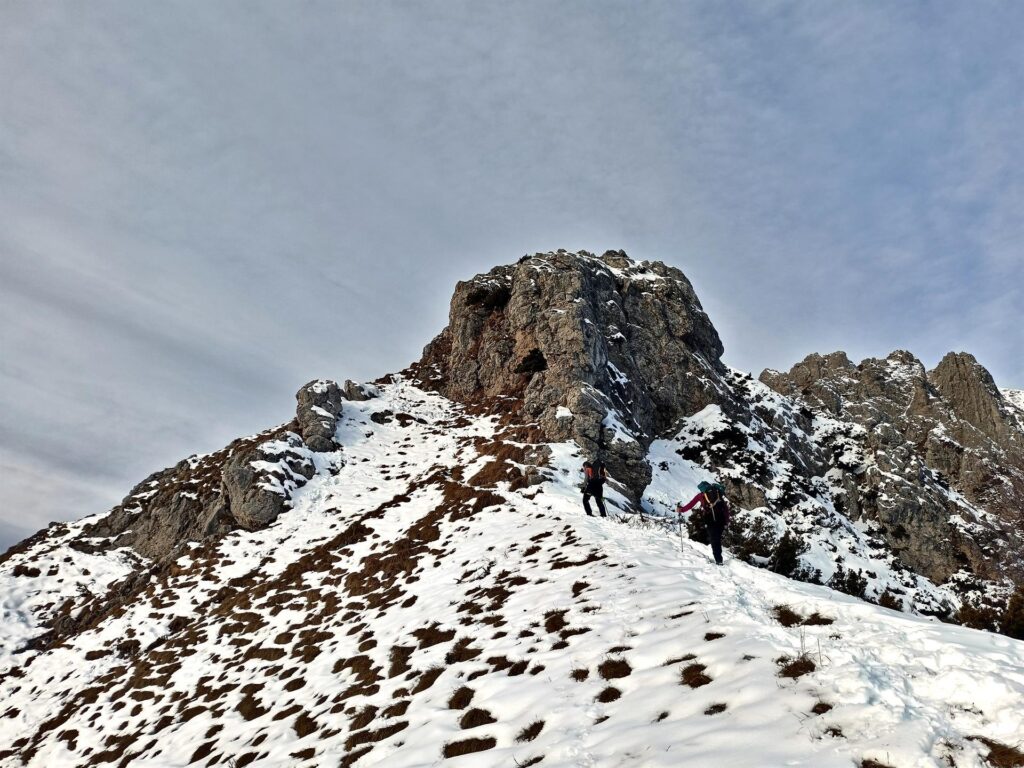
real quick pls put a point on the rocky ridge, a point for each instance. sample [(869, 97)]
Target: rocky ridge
[(881, 480)]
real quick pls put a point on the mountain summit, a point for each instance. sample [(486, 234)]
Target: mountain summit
[(402, 574)]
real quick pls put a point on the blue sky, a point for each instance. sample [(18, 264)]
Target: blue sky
[(204, 205)]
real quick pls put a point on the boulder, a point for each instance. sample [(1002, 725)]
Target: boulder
[(319, 406)]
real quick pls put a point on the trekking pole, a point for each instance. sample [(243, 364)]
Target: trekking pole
[(679, 525)]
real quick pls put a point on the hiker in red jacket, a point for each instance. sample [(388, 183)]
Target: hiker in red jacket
[(711, 497)]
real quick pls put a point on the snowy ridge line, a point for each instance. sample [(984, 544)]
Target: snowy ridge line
[(426, 605)]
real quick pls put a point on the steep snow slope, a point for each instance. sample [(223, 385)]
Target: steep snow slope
[(424, 600)]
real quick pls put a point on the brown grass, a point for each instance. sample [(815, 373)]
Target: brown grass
[(399, 660), (427, 679), (786, 616), (817, 620), (593, 557), (468, 746), (678, 659), (612, 669), (713, 636), (609, 694), (530, 732), (461, 698), (363, 718), (1001, 755), (715, 709), (305, 725), (396, 710), (368, 737), (462, 651), (433, 635), (794, 668), (821, 708), (580, 674), (694, 676), (554, 621), (476, 717)]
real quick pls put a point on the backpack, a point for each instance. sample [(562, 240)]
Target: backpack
[(714, 495), (595, 471)]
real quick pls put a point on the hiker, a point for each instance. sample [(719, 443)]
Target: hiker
[(593, 485), (711, 497)]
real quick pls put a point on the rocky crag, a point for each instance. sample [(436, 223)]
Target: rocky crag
[(604, 351), (937, 459)]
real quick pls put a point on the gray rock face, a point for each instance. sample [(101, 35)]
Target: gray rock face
[(927, 437), (319, 406), (247, 484), (258, 493), (358, 392), (605, 351)]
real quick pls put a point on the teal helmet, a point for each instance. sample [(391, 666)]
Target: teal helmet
[(704, 486)]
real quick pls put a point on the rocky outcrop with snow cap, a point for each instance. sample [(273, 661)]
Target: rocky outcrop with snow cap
[(602, 350)]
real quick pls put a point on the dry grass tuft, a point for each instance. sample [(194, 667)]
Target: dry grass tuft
[(609, 694), (694, 676), (1001, 755), (794, 668), (530, 732), (475, 717), (468, 746), (461, 698), (612, 669), (786, 616)]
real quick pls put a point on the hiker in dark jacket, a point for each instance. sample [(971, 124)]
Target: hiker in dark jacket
[(711, 497), (594, 475)]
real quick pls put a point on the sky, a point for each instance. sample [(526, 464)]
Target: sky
[(205, 205)]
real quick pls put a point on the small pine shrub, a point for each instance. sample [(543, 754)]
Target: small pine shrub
[(850, 582), (1012, 624), (786, 558), (891, 601), (978, 616)]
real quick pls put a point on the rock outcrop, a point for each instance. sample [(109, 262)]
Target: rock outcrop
[(932, 443), (605, 351), (246, 485), (319, 406)]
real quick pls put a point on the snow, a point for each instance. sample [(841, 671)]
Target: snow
[(905, 690)]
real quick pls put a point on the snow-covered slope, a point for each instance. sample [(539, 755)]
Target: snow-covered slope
[(422, 604)]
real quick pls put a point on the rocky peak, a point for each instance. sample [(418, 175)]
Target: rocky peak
[(924, 433), (603, 350), (972, 394)]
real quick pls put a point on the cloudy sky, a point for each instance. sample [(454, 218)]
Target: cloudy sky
[(204, 205)]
